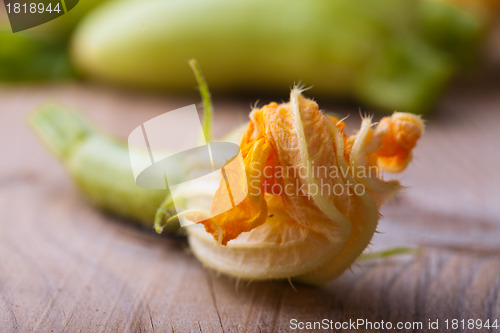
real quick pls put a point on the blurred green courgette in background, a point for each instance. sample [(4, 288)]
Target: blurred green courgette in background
[(392, 54)]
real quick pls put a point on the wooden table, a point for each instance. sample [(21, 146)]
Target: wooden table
[(65, 267)]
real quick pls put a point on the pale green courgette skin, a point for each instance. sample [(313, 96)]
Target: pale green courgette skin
[(99, 165), (388, 53)]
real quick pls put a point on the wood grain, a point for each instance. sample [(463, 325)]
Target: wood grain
[(65, 267)]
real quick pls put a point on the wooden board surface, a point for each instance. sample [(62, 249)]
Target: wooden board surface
[(65, 267)]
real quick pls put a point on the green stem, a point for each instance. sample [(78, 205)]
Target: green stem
[(162, 214), (60, 130), (205, 96), (165, 209)]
